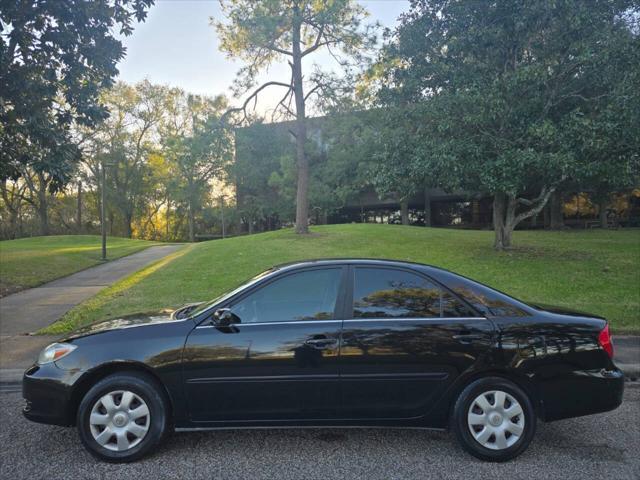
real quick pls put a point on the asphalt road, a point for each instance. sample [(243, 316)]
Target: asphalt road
[(599, 446)]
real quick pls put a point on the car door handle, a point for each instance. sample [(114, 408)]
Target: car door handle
[(321, 343)]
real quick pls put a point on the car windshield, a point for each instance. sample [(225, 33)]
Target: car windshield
[(230, 293)]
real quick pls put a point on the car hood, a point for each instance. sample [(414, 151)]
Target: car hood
[(127, 321), (564, 311)]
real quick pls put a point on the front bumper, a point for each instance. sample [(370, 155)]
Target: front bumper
[(47, 392)]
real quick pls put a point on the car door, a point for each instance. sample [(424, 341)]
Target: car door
[(405, 340), (279, 361)]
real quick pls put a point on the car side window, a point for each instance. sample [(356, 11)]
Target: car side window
[(389, 293), (309, 295)]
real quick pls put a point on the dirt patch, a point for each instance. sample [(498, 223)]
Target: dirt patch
[(543, 252), (8, 289)]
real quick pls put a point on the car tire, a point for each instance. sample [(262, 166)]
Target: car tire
[(122, 417), (493, 419)]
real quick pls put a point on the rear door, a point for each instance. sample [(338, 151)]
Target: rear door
[(280, 362), (405, 340)]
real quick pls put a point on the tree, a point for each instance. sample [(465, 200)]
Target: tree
[(260, 151), (263, 32), (494, 88), (394, 144), (54, 58), (197, 147), (607, 134), (12, 193), (122, 144)]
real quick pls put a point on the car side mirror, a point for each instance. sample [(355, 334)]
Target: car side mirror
[(224, 317)]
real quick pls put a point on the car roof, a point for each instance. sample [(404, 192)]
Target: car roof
[(349, 260)]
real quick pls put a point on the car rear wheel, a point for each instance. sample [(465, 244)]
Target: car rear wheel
[(494, 419), (122, 417)]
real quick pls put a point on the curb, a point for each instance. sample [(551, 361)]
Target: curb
[(11, 376), (631, 370)]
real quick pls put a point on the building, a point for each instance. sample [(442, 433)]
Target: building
[(264, 177)]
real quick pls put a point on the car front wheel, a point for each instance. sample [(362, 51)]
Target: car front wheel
[(494, 419), (122, 417)]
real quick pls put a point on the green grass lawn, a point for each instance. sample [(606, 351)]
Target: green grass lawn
[(595, 271), (28, 262)]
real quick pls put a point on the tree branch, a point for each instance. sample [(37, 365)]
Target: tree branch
[(253, 96), (313, 90), (279, 50), (317, 44), (541, 201)]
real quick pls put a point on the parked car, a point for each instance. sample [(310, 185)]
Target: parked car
[(330, 343)]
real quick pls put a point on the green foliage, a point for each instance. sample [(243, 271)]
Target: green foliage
[(55, 56), (339, 150), (262, 32), (261, 150), (122, 145), (512, 99), (196, 147), (161, 149), (592, 271)]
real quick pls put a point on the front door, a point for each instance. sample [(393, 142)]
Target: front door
[(403, 344), (280, 362)]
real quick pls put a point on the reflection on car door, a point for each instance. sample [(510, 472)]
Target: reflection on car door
[(405, 340), (279, 362)]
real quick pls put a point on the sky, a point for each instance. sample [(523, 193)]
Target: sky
[(177, 46)]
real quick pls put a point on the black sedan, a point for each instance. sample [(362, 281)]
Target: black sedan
[(330, 343)]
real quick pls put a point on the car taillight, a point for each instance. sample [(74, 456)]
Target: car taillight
[(604, 339)]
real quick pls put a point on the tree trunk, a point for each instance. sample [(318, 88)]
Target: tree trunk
[(427, 208), (13, 224), (602, 213), (192, 233), (79, 211), (501, 224), (302, 194), (43, 217), (43, 204), (43, 213), (128, 218), (475, 213), (505, 218), (556, 217), (546, 217), (167, 216), (404, 212), (20, 222)]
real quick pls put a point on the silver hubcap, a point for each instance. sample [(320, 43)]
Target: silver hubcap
[(496, 420), (119, 420)]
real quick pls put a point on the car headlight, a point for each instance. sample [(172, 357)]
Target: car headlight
[(54, 352)]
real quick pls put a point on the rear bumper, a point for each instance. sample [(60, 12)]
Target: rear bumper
[(47, 393), (582, 393)]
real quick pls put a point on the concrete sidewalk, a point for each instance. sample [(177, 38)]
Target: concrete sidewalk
[(30, 310)]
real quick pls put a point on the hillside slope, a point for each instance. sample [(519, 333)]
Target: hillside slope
[(594, 271)]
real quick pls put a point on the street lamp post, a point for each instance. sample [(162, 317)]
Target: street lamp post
[(222, 214), (103, 226)]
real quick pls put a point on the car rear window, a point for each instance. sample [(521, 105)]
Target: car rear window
[(484, 299)]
